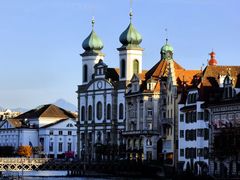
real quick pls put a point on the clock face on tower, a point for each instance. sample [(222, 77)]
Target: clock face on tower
[(99, 84)]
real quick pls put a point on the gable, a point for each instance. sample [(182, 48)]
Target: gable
[(10, 123), (100, 84), (62, 124)]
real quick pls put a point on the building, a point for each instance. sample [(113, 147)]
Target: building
[(172, 93), (126, 107), (48, 126), (224, 109), (198, 112), (101, 103), (7, 113), (149, 114)]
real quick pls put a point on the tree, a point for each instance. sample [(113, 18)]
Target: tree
[(25, 151), (37, 150)]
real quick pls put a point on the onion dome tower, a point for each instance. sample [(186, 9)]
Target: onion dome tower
[(92, 42), (212, 61), (167, 51), (92, 54), (130, 53), (130, 38)]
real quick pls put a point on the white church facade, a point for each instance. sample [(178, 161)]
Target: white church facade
[(121, 109)]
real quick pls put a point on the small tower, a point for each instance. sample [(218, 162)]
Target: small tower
[(212, 61), (92, 54), (167, 51), (130, 53)]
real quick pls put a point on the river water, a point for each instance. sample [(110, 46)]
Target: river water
[(58, 175)]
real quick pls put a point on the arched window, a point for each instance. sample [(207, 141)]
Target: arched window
[(129, 143), (123, 68), (83, 113), (89, 112), (85, 73), (135, 66), (109, 111), (99, 110), (120, 111)]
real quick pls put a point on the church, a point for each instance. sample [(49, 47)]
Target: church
[(124, 111)]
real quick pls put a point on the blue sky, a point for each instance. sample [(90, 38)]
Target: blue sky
[(40, 40)]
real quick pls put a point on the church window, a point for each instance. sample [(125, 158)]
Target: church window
[(99, 110), (99, 136), (123, 68), (120, 111), (134, 143), (135, 66), (149, 112), (149, 126), (149, 142), (141, 142), (129, 143), (109, 111), (89, 112), (83, 113), (85, 73)]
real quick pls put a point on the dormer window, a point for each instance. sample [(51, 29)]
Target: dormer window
[(151, 85), (135, 87), (227, 85), (100, 68)]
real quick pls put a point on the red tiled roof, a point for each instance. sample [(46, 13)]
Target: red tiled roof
[(211, 75), (161, 69), (185, 75)]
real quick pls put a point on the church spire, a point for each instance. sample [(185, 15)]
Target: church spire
[(92, 42), (93, 22)]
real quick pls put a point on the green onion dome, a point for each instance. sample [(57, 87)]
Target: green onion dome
[(130, 36), (92, 42), (167, 51), (167, 47)]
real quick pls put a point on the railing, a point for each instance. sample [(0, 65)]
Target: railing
[(167, 121), (21, 164), (137, 132)]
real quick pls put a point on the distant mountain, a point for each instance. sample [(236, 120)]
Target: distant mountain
[(66, 105), (22, 110), (1, 108)]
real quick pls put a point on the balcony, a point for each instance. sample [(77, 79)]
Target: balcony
[(167, 121), (140, 132)]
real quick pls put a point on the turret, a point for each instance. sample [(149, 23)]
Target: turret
[(130, 53), (92, 54)]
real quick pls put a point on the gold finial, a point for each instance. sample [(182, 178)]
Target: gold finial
[(93, 22), (130, 13)]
